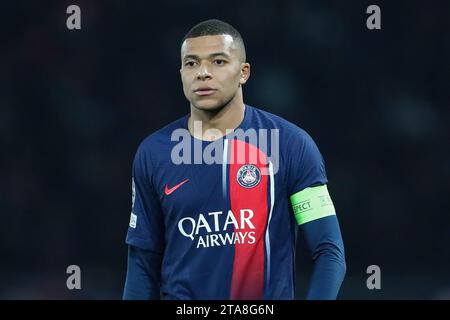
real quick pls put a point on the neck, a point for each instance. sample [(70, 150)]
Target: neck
[(226, 118)]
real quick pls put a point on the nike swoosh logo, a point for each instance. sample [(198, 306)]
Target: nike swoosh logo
[(168, 191)]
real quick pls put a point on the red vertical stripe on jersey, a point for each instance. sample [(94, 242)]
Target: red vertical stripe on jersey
[(248, 266)]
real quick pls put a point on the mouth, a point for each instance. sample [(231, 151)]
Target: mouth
[(206, 91)]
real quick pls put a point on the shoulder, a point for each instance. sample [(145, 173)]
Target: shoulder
[(158, 142), (161, 137), (288, 131)]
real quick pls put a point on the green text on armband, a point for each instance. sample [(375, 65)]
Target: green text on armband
[(311, 204)]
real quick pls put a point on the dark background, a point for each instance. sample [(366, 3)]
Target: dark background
[(74, 105)]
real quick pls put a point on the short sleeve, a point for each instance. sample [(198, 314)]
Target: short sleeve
[(306, 164), (146, 227)]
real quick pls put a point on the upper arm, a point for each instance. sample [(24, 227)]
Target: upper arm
[(146, 228), (306, 166), (307, 180)]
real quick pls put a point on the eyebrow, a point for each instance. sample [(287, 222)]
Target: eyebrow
[(212, 55)]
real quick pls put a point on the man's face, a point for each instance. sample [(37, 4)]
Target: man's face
[(211, 71)]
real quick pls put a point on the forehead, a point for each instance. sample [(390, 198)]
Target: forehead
[(205, 45)]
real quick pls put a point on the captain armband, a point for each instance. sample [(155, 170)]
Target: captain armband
[(312, 203)]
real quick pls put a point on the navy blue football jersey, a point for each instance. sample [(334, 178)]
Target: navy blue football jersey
[(219, 212)]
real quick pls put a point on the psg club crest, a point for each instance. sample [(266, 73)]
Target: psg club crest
[(248, 176)]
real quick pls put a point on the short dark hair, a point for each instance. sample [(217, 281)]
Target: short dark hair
[(214, 27)]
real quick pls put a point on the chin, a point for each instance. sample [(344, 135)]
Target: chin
[(207, 105)]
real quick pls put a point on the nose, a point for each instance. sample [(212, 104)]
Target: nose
[(203, 73)]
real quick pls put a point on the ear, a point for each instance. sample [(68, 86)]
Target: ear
[(245, 72)]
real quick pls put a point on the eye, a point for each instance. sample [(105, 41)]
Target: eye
[(189, 64), (219, 62)]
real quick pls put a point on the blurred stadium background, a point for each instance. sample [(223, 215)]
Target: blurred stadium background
[(74, 106)]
